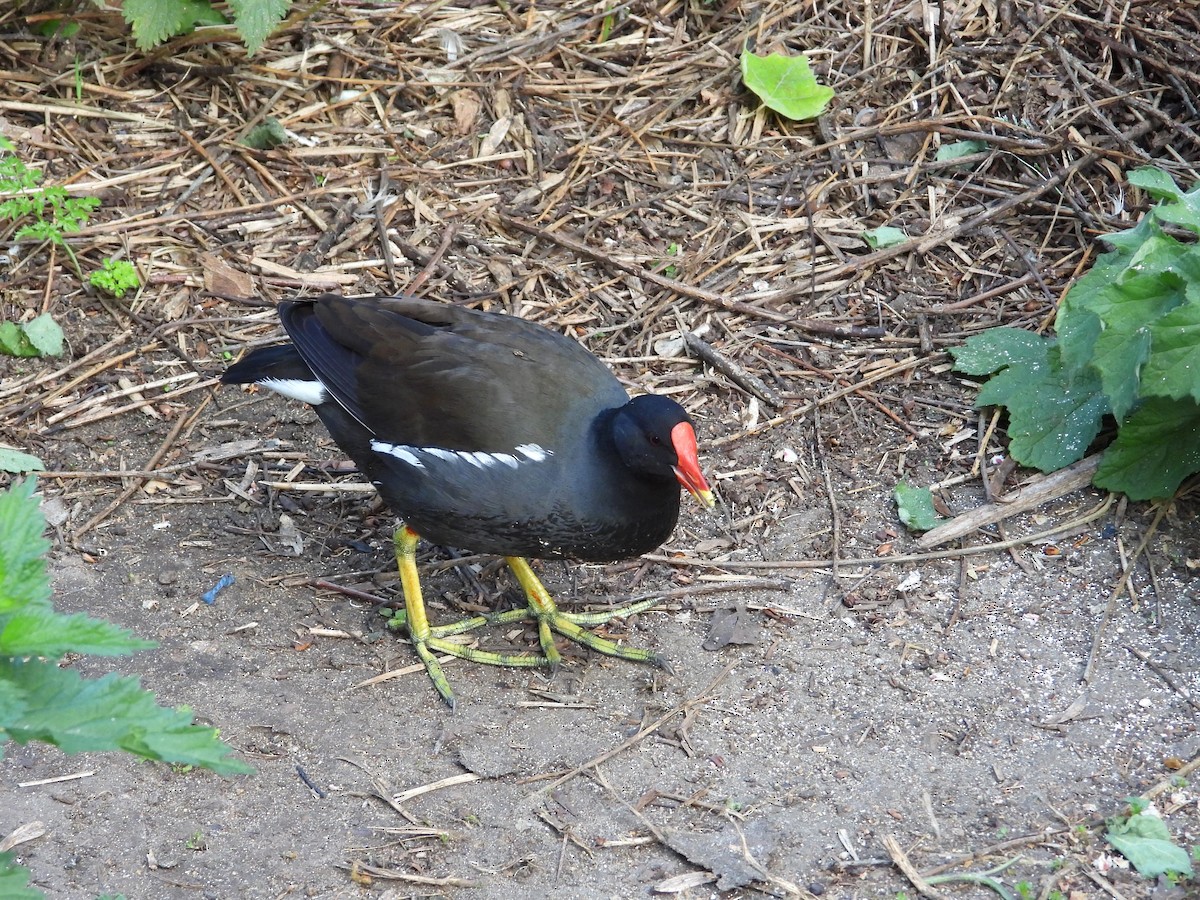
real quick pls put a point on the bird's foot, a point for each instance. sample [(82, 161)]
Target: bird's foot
[(571, 626), (440, 639), (550, 620), (429, 640)]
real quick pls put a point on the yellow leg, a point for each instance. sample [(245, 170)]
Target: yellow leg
[(427, 639), (550, 618)]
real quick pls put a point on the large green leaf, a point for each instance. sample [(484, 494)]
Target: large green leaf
[(1105, 318), (1157, 447), (1173, 369), (155, 21), (39, 631), (256, 19), (1176, 206), (1000, 348), (14, 881), (23, 578), (16, 461), (1053, 417), (43, 332), (1144, 840), (1155, 182), (111, 713)]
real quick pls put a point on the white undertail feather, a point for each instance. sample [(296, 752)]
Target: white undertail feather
[(310, 392)]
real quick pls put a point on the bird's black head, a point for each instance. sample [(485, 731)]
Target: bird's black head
[(655, 438)]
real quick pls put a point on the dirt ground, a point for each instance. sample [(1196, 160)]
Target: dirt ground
[(849, 715)]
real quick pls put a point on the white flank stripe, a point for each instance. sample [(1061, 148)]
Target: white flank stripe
[(534, 452), (400, 452), (479, 459), (311, 392)]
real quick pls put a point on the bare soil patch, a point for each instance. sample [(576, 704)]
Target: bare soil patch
[(849, 716)]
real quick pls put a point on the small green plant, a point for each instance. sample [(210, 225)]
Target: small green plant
[(155, 21), (116, 277), (669, 269), (672, 270), (197, 842), (50, 212), (42, 701), (1128, 338)]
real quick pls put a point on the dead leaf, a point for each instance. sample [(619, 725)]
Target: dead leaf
[(466, 104), (677, 884), (289, 535), (732, 626), (223, 280)]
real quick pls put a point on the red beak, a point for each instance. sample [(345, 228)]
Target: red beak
[(683, 439)]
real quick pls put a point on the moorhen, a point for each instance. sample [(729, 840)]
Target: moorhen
[(492, 434)]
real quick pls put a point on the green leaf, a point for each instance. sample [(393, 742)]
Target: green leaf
[(1175, 206), (1107, 319), (1052, 416), (999, 348), (111, 713), (62, 28), (70, 214), (785, 84), (1155, 182), (45, 335), (1157, 447), (959, 149), (23, 578), (39, 631), (915, 506), (14, 342), (1172, 369), (1144, 840), (883, 237), (1053, 421), (1127, 309), (15, 461), (155, 21), (14, 880), (256, 19)]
